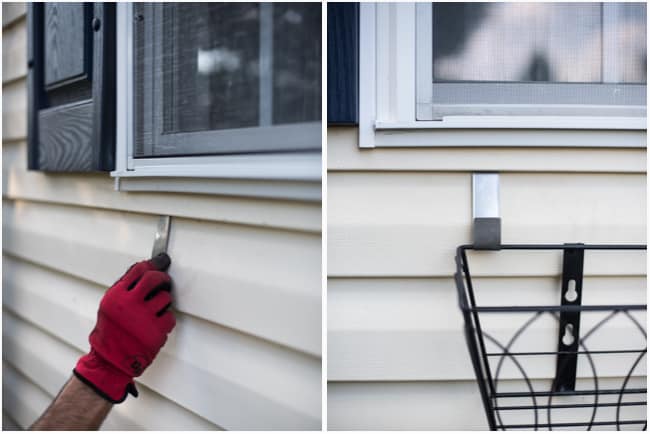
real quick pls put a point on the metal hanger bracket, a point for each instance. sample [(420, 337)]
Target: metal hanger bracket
[(485, 210)]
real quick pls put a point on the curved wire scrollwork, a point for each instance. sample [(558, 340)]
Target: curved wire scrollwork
[(506, 353)]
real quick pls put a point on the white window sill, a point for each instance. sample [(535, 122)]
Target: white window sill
[(290, 166), (522, 122), (507, 132), (293, 176)]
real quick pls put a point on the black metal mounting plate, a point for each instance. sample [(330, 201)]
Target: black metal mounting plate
[(569, 331)]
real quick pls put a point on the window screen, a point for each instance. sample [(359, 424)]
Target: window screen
[(539, 53), (216, 78), (211, 66)]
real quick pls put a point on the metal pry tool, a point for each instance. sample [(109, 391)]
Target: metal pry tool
[(162, 235)]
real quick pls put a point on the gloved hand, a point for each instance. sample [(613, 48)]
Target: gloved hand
[(133, 322)]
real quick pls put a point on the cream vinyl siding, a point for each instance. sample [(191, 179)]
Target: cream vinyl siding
[(397, 357), (246, 352)]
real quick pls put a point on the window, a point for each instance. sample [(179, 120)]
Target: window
[(502, 74), (226, 78), (219, 90), (533, 58)]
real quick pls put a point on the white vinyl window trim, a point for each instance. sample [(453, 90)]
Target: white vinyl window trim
[(395, 85), (282, 175)]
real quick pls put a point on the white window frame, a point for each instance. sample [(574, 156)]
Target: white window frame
[(283, 175), (395, 90)]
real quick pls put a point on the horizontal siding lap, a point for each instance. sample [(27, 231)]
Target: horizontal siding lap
[(54, 236), (47, 361), (280, 388), (430, 215), (366, 236), (408, 250), (8, 424), (412, 329), (442, 355), (237, 276), (72, 189), (12, 12), (597, 208), (404, 406), (447, 405), (37, 354), (250, 278), (14, 110), (14, 53), (343, 155), (397, 357), (21, 398)]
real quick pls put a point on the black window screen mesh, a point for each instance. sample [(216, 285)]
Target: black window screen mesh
[(205, 67)]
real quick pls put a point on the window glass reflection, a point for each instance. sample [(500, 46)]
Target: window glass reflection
[(540, 42), (296, 62), (210, 66), (237, 65)]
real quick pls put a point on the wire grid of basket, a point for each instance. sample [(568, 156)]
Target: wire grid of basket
[(514, 346)]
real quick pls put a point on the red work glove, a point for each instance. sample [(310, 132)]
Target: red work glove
[(133, 322)]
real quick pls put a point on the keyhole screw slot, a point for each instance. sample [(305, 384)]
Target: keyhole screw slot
[(571, 294), (568, 339)]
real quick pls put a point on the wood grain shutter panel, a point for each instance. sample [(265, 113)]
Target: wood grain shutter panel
[(71, 85), (342, 63)]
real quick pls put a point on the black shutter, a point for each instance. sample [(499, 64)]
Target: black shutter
[(71, 80), (342, 63)]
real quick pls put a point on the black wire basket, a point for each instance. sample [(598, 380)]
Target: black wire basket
[(555, 353)]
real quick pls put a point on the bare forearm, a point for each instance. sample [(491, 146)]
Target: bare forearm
[(77, 407)]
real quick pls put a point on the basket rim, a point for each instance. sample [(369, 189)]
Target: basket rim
[(460, 276)]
